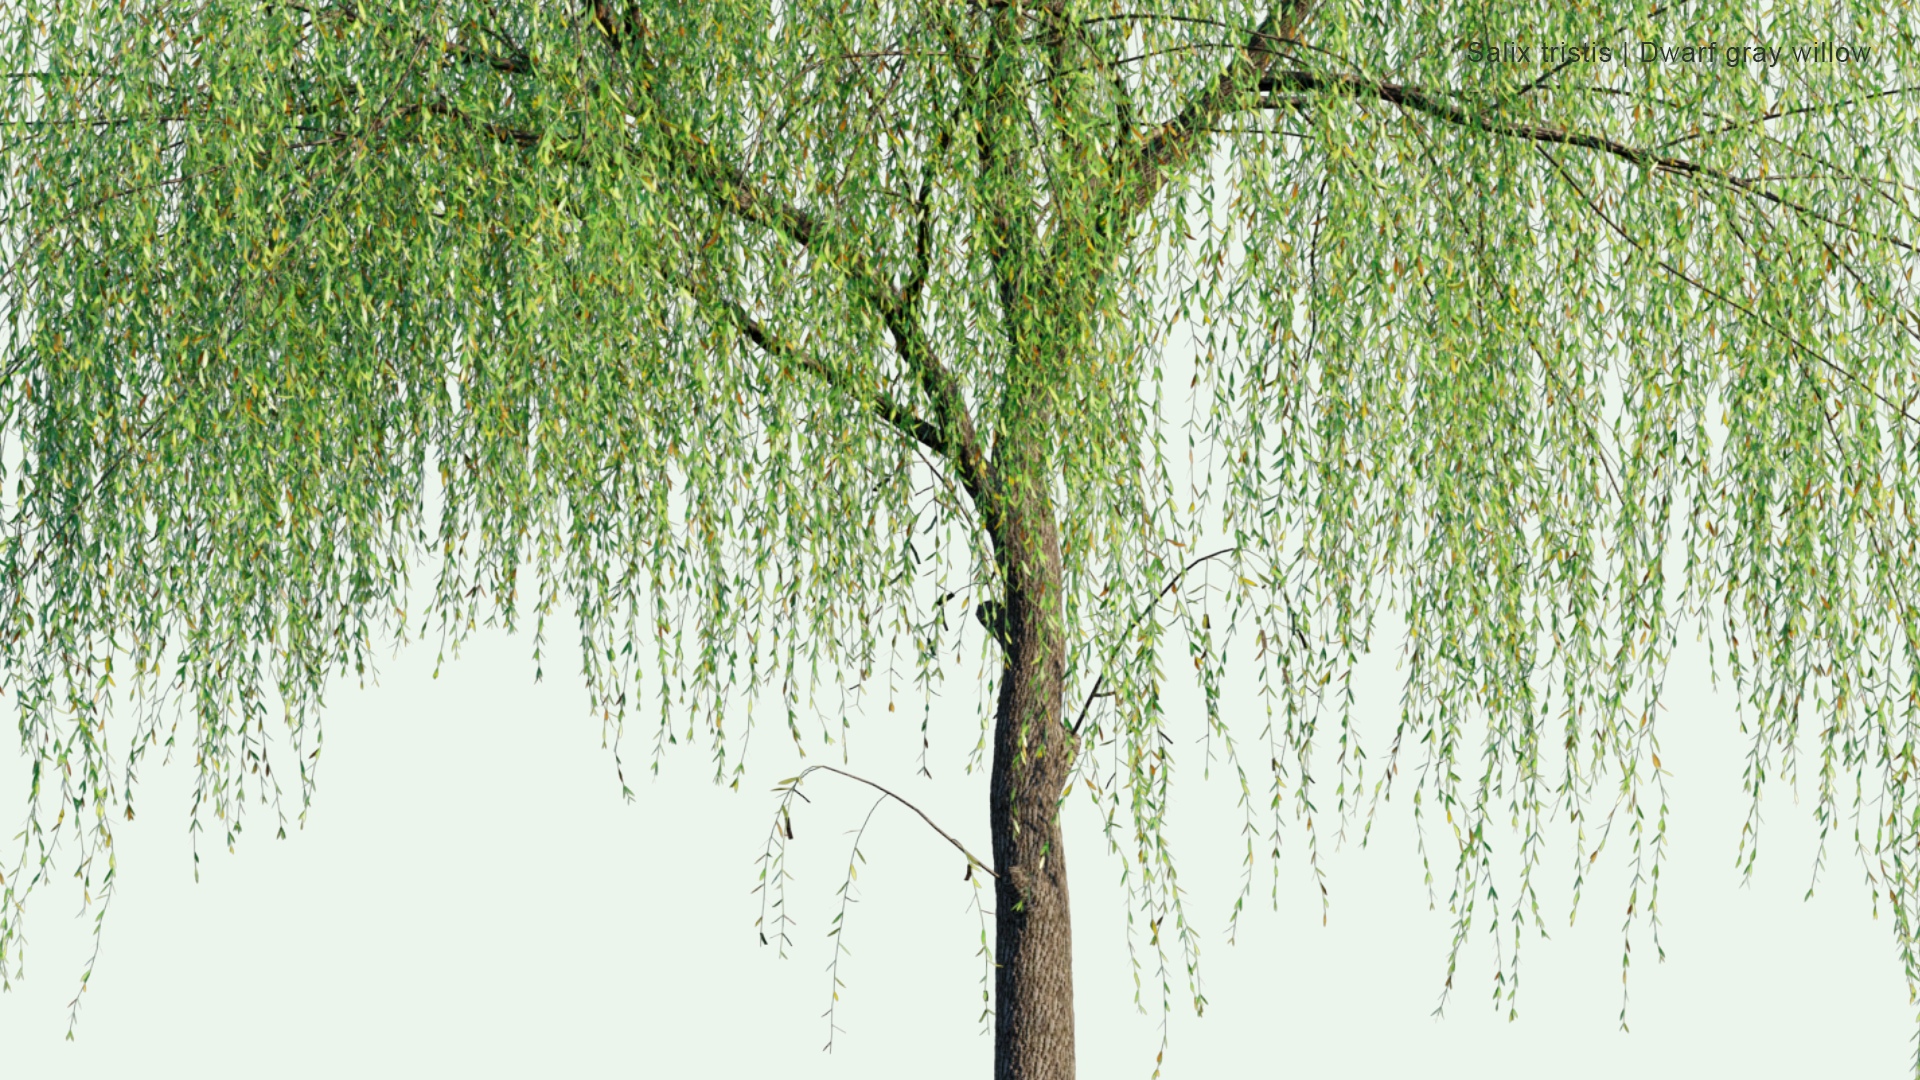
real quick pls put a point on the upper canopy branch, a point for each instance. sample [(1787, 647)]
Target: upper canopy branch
[(707, 171), (1143, 169), (1418, 100), (1900, 409), (958, 441)]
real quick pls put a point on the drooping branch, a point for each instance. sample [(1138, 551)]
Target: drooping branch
[(1719, 296), (1282, 90)]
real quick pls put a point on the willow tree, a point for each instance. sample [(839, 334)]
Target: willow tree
[(772, 337)]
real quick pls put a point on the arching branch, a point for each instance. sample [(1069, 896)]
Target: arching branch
[(1128, 632), (793, 785)]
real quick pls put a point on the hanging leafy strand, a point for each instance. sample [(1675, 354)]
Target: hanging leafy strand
[(1484, 333), (746, 324)]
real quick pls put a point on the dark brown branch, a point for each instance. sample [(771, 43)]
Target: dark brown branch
[(958, 440), (923, 209), (955, 438), (513, 63), (889, 411), (617, 29), (1415, 99), (697, 160), (1143, 171), (1548, 74), (961, 439), (520, 137), (793, 785), (922, 238)]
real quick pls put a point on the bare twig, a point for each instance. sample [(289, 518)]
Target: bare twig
[(793, 785)]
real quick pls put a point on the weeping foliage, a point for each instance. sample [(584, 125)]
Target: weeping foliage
[(725, 325)]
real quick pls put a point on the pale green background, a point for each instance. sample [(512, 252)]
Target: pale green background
[(471, 898)]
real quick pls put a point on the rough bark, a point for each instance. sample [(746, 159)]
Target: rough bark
[(1033, 984)]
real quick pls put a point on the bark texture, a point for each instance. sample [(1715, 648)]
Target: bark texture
[(1033, 983)]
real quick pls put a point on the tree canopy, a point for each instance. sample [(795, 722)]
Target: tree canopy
[(781, 343)]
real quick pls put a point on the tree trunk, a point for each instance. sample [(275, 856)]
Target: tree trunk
[(1032, 751)]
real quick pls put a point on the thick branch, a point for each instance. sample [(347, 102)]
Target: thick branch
[(708, 171), (923, 211), (1180, 142), (954, 438), (512, 136), (695, 159), (956, 428), (517, 61)]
